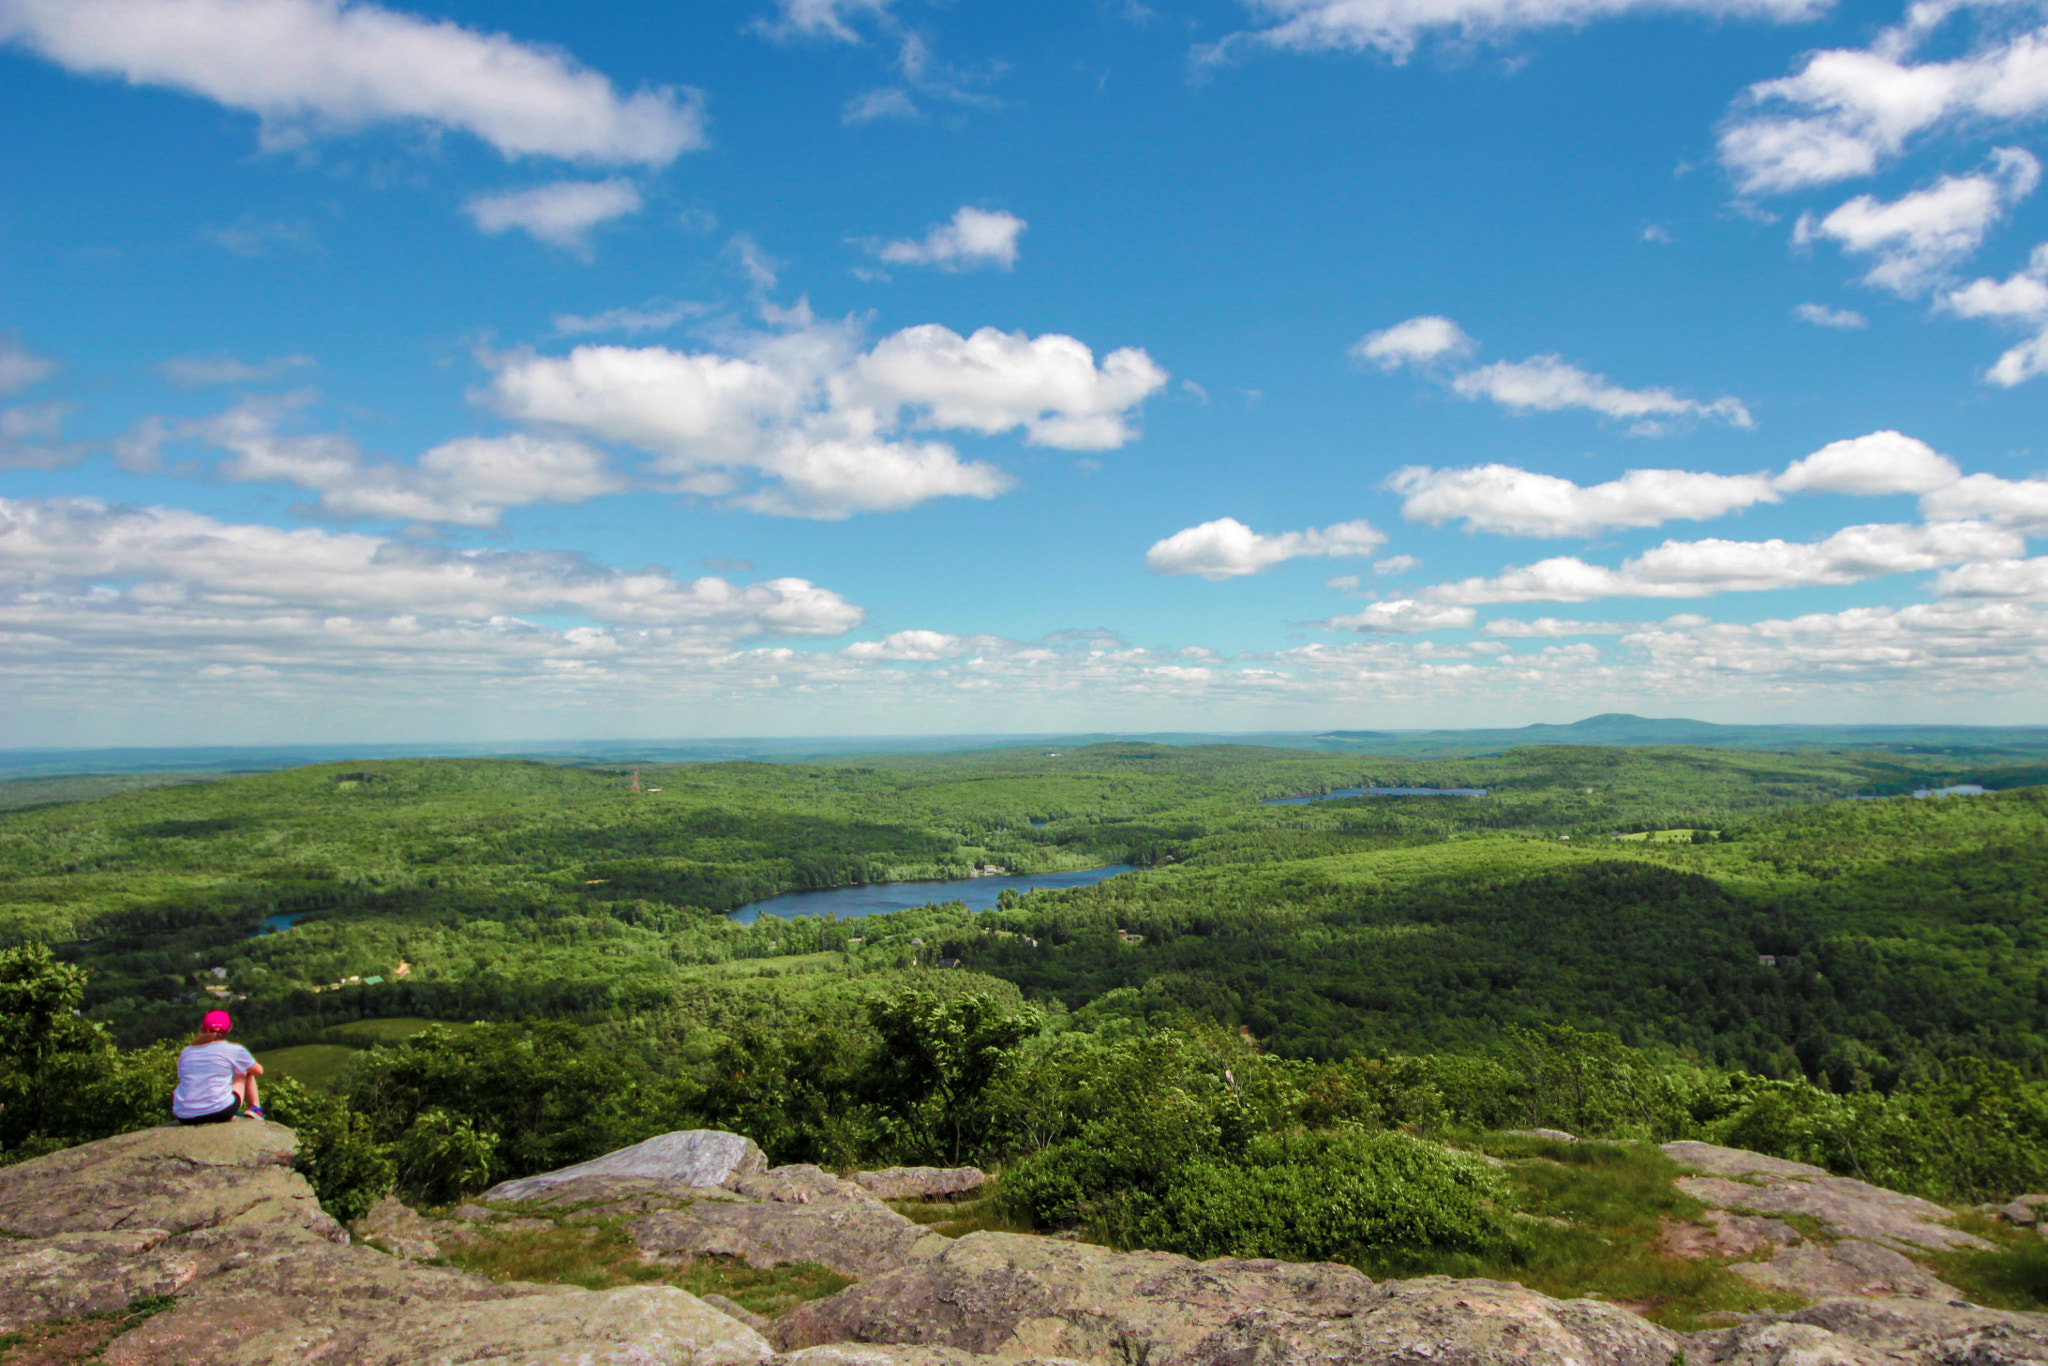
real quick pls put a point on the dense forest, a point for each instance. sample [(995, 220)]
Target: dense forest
[(1648, 941)]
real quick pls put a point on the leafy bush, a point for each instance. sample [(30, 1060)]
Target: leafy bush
[(1327, 1197), (338, 1152)]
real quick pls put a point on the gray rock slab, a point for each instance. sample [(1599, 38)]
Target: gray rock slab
[(1850, 1267), (174, 1178), (1883, 1332), (634, 1326), (922, 1183), (687, 1157), (799, 1184), (853, 1238), (1715, 1160), (1848, 1207), (1018, 1298)]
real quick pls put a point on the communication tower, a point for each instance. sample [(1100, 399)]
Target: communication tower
[(636, 777)]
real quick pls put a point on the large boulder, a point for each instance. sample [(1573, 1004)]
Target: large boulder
[(1018, 1298), (687, 1157), (174, 1178), (922, 1183), (853, 1238), (1884, 1332), (634, 1326), (1848, 1208)]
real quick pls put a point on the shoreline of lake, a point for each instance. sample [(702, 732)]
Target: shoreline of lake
[(880, 898)]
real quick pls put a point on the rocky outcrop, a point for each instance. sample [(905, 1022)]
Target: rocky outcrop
[(174, 1179), (687, 1157), (1864, 1332), (1016, 1297), (215, 1216), (1848, 1208), (853, 1238), (922, 1183), (1872, 1229)]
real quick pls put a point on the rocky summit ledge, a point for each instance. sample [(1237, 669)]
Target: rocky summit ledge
[(216, 1218)]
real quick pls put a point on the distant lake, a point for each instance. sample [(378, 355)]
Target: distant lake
[(1379, 792), (278, 924), (980, 893)]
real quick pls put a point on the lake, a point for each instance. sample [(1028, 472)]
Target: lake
[(1379, 792), (980, 893), (278, 924)]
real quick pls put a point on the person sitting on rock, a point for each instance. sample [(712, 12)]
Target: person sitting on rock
[(215, 1078)]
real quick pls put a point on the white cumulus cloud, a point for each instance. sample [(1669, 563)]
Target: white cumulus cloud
[(974, 237), (2020, 503), (466, 482), (911, 646), (184, 561), (1849, 111), (1880, 463), (1227, 548), (1510, 501), (1820, 315), (1697, 569), (2021, 300), (561, 214), (1403, 616), (1417, 341), (805, 424), (309, 67), (1548, 384), (1915, 239)]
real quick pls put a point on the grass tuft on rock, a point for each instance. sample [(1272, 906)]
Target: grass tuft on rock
[(597, 1254), (1585, 1223), (2011, 1274)]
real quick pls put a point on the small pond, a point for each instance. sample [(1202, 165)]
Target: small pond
[(980, 893), (1379, 792), (278, 924)]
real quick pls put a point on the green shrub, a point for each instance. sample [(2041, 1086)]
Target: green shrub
[(338, 1153), (441, 1158), (1327, 1197)]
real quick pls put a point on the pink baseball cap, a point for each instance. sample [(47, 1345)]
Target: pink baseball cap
[(217, 1022)]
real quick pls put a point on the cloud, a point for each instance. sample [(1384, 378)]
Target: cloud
[(1880, 463), (255, 237), (2018, 503), (1538, 384), (32, 437), (1548, 384), (1917, 238), (908, 646), (1415, 342), (1396, 564), (1820, 315), (1697, 569), (820, 19), (561, 214), (2020, 299), (805, 424), (184, 563), (974, 238), (314, 67), (197, 372), (756, 265), (1227, 548), (1848, 111), (466, 482), (1403, 616), (2008, 579), (886, 102), (1508, 501), (20, 368), (1396, 26), (650, 317), (1546, 628)]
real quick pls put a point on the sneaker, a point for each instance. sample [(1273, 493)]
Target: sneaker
[(253, 1112)]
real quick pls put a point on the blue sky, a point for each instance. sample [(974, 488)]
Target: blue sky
[(877, 366)]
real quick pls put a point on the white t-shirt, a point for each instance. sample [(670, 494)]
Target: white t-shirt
[(206, 1078)]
